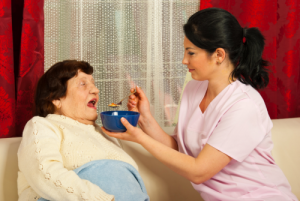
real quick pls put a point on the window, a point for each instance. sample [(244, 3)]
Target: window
[(128, 42)]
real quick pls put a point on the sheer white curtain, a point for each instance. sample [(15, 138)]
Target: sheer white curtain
[(128, 42)]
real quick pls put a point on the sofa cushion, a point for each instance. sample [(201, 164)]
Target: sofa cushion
[(9, 168), (162, 183), (286, 151)]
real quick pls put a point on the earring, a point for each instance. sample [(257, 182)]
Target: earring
[(218, 62)]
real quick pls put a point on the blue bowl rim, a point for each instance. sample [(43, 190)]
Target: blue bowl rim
[(108, 113)]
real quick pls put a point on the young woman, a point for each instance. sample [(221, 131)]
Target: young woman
[(222, 142)]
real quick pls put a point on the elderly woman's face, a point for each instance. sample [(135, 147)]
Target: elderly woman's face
[(81, 99)]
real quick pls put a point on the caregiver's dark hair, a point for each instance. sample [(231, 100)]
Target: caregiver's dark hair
[(53, 84), (214, 28)]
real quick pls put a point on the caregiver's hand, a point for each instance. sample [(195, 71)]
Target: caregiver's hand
[(138, 102), (133, 134)]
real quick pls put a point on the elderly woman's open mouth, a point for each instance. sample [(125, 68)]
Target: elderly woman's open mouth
[(92, 103)]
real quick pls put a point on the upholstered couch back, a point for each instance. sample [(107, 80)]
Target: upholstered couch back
[(162, 184)]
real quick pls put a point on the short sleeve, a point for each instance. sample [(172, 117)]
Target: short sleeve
[(239, 130), (175, 133)]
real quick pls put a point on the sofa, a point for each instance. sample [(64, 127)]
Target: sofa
[(162, 184)]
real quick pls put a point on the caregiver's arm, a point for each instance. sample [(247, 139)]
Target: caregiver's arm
[(198, 170), (209, 162), (139, 103), (152, 128)]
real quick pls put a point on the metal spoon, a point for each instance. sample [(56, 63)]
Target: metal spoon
[(114, 105)]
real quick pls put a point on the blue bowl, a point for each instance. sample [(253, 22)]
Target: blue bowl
[(111, 120)]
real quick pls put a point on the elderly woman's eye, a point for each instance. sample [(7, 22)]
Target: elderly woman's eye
[(82, 83)]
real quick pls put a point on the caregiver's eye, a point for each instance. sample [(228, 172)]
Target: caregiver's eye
[(191, 53)]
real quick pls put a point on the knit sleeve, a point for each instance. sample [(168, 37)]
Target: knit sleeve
[(41, 163)]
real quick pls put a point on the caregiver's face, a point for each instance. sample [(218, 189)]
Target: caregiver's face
[(198, 61), (81, 99)]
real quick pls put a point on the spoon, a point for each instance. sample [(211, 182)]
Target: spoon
[(114, 105)]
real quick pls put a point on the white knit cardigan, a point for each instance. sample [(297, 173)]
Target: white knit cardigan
[(51, 148)]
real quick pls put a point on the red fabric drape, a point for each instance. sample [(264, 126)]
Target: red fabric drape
[(279, 21), (21, 62)]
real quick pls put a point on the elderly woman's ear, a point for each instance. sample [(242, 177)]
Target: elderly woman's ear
[(57, 104)]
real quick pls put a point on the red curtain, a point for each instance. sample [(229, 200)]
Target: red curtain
[(21, 61), (279, 21)]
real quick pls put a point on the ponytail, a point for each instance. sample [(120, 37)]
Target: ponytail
[(214, 28), (251, 68)]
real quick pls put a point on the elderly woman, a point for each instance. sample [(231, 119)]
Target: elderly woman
[(63, 137)]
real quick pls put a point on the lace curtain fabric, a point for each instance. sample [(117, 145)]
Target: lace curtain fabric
[(128, 42)]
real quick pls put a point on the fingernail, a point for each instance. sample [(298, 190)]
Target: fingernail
[(122, 118), (137, 87)]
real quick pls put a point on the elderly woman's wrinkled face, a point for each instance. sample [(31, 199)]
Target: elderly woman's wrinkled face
[(81, 99)]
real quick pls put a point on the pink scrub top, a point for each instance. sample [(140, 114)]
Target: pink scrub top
[(236, 123)]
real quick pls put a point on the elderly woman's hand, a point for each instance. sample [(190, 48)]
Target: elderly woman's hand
[(133, 134)]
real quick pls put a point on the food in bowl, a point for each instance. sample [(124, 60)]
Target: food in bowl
[(111, 120)]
